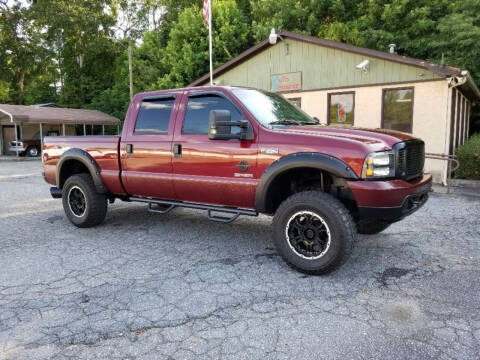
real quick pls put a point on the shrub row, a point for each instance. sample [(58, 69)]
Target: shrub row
[(469, 157)]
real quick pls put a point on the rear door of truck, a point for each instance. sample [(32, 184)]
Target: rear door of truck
[(146, 146)]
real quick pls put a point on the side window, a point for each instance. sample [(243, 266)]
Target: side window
[(198, 112), (154, 117), (398, 109)]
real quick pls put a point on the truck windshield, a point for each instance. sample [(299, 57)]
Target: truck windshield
[(272, 109)]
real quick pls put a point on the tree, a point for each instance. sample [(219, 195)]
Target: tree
[(458, 37), (80, 33), (21, 53), (186, 55)]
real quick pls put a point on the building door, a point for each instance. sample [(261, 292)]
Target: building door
[(8, 136)]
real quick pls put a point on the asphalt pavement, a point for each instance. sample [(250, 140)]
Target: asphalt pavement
[(178, 286)]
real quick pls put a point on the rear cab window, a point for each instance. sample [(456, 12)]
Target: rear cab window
[(154, 116)]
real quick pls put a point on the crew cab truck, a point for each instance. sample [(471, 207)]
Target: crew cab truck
[(240, 151)]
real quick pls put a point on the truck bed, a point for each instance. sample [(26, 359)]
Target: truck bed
[(104, 149)]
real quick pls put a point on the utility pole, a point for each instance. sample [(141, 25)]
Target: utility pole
[(130, 72)]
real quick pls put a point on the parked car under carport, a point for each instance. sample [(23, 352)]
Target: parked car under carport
[(23, 127)]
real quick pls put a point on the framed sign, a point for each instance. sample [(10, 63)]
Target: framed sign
[(341, 108), (287, 82)]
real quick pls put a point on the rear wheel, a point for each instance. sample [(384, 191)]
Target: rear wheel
[(33, 151), (83, 206), (313, 232), (371, 227)]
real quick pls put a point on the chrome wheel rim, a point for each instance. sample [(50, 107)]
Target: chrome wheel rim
[(308, 235), (77, 201), (33, 152)]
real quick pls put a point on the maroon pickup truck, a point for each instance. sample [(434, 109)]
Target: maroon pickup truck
[(237, 151)]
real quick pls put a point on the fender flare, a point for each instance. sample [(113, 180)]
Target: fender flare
[(87, 160), (314, 160)]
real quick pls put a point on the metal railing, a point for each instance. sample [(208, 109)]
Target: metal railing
[(452, 160)]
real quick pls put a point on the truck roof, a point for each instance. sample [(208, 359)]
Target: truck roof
[(208, 87)]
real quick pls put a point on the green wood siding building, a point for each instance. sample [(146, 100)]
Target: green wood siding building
[(348, 85)]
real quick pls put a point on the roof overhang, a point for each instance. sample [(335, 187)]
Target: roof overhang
[(23, 114), (470, 89)]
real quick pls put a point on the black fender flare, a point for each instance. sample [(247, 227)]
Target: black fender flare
[(314, 160), (87, 160)]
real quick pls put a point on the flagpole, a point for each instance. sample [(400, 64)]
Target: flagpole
[(210, 39)]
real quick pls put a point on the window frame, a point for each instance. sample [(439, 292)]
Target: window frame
[(299, 99), (329, 98), (384, 90), (202, 93), (152, 98)]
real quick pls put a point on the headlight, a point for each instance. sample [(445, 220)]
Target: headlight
[(379, 165)]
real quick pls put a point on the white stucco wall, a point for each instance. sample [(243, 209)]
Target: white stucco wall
[(431, 115)]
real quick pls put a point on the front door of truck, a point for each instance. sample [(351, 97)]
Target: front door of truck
[(208, 171), (146, 147)]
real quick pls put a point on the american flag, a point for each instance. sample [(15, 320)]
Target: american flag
[(205, 12)]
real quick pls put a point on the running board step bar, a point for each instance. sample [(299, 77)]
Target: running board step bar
[(165, 206)]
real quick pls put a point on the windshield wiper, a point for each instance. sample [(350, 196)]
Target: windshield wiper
[(284, 122), (291, 122)]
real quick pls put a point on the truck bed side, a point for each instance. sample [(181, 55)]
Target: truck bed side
[(103, 149)]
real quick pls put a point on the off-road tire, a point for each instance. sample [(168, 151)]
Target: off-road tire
[(95, 208), (32, 151), (335, 216), (371, 227)]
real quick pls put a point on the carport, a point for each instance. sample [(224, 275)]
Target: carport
[(34, 121)]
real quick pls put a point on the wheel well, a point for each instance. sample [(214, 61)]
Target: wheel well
[(300, 179), (69, 168)]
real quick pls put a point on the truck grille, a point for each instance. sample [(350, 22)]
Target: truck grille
[(410, 156)]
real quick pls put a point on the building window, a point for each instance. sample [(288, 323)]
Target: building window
[(296, 101), (341, 108), (398, 109), (154, 117)]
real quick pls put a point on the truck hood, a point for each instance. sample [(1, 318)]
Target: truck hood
[(376, 138)]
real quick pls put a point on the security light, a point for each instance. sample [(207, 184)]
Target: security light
[(363, 65)]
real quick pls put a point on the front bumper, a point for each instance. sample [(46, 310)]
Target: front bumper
[(17, 148), (390, 200)]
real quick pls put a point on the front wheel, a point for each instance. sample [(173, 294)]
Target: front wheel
[(33, 151), (83, 206), (313, 232)]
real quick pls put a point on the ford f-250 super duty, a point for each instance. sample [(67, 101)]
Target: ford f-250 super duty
[(239, 151)]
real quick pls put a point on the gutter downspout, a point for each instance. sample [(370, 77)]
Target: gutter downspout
[(453, 82)]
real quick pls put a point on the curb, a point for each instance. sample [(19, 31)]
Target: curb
[(456, 190), (472, 184), (20, 159)]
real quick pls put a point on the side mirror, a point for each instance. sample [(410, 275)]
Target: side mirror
[(220, 127)]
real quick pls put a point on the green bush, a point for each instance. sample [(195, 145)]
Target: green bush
[(469, 157)]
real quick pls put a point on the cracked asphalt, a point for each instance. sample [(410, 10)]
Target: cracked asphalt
[(177, 286)]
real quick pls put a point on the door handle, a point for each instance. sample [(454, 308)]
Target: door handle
[(177, 150), (129, 149)]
